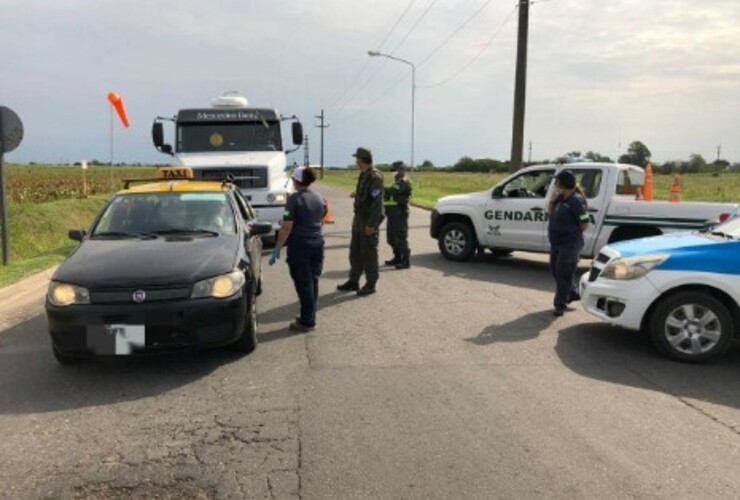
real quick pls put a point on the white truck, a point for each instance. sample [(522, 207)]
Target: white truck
[(512, 215), (233, 139)]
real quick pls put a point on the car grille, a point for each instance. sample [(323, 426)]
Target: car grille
[(257, 176), (126, 296)]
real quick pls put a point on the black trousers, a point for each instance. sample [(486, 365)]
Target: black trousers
[(306, 261), (563, 266), (397, 231)]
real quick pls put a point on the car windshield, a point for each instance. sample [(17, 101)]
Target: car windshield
[(167, 213)]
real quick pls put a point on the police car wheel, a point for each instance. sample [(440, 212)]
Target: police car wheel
[(457, 241), (248, 340), (691, 326)]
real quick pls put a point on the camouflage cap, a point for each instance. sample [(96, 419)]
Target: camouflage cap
[(396, 165), (364, 154)]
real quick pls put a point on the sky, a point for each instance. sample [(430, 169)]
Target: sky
[(601, 74)]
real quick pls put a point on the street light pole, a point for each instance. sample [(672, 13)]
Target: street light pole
[(374, 53)]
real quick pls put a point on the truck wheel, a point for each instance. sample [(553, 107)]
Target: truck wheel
[(248, 340), (457, 241), (691, 326)]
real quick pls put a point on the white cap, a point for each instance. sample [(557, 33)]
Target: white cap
[(299, 174)]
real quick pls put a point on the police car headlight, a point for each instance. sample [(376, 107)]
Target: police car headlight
[(219, 287), (62, 294), (632, 268)]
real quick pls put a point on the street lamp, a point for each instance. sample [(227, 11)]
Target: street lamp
[(375, 53)]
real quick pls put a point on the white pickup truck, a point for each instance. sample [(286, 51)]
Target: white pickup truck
[(512, 215)]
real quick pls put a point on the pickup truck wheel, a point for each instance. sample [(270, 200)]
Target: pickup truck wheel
[(457, 241), (691, 326)]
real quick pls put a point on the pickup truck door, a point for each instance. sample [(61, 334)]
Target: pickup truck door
[(515, 215)]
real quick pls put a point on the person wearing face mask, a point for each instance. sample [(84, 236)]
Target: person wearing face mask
[(301, 232), (397, 211), (568, 220)]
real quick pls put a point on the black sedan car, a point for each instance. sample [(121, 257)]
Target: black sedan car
[(165, 265)]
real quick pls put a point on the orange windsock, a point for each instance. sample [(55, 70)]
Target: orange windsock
[(117, 103)]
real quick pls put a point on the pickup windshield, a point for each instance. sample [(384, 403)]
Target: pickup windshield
[(242, 136), (150, 214)]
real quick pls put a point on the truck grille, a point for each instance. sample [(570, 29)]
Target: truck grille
[(257, 176)]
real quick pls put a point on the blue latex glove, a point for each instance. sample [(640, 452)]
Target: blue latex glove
[(274, 256)]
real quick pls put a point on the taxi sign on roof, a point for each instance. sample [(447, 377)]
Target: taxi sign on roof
[(175, 173)]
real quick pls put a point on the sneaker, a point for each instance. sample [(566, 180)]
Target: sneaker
[(297, 326), (349, 286), (366, 290)]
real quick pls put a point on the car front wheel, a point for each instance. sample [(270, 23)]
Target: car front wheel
[(691, 326), (457, 241), (248, 340)]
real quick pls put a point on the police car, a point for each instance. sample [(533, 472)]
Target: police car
[(683, 289), (167, 264)]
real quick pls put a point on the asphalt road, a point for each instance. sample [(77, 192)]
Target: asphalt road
[(453, 381)]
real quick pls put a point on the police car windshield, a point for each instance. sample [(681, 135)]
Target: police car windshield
[(203, 214)]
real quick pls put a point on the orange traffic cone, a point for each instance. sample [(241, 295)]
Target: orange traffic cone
[(648, 187), (327, 213), (675, 196)]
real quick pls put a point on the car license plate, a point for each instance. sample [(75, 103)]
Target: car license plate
[(116, 339)]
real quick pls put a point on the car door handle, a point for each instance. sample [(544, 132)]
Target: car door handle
[(537, 209)]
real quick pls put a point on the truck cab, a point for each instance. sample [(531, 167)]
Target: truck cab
[(234, 140)]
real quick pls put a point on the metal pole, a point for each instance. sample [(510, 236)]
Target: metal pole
[(322, 127), (3, 206), (111, 149), (413, 100), (520, 87)]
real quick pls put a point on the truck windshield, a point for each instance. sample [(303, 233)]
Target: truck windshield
[(242, 136)]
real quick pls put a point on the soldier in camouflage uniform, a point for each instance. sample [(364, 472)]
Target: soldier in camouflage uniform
[(363, 249), (397, 211)]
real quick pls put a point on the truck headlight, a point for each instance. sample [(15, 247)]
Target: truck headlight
[(219, 287), (632, 268), (275, 198), (63, 294)]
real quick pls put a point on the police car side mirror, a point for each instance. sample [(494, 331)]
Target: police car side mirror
[(498, 192), (297, 130), (76, 234), (259, 228)]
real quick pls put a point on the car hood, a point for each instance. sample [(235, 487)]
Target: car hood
[(463, 199), (161, 261), (697, 252)]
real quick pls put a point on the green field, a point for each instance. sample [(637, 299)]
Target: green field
[(430, 186)]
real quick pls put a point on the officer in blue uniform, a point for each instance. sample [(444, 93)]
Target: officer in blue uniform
[(569, 218), (301, 232)]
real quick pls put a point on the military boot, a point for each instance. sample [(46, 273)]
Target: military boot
[(395, 260), (404, 262)]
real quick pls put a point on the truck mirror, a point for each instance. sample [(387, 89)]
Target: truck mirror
[(297, 129), (158, 135), (166, 149), (498, 192)]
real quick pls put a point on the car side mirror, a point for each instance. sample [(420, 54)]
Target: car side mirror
[(498, 192), (260, 228), (297, 130), (76, 234)]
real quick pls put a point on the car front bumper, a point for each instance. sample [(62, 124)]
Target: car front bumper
[(131, 328), (621, 303)]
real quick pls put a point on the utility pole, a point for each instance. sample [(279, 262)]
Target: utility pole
[(719, 152), (520, 87), (529, 156), (322, 127), (305, 152)]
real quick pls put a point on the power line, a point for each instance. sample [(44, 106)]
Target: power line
[(475, 57), (456, 31), (374, 101), (382, 65), (380, 45)]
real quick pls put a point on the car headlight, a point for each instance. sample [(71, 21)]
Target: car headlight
[(63, 294), (632, 268), (219, 287)]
